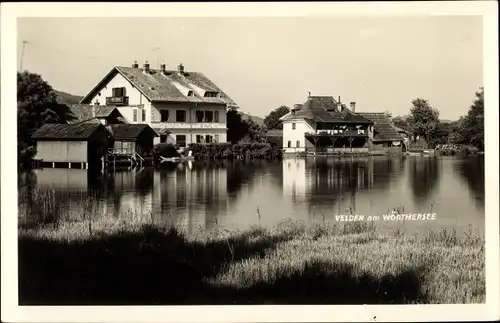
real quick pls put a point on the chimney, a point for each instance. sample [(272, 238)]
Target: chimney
[(146, 67), (135, 65), (353, 106), (163, 68), (180, 68)]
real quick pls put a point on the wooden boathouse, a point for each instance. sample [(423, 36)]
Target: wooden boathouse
[(80, 145), (131, 142)]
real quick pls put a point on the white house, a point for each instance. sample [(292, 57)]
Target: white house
[(182, 106), (323, 124)]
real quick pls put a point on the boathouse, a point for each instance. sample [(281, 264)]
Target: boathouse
[(132, 140), (83, 144), (386, 137)]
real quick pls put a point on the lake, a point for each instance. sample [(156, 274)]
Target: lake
[(236, 195)]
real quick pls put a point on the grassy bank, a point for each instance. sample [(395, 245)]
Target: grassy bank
[(124, 263)]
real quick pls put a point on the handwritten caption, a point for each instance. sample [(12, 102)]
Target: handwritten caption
[(387, 217)]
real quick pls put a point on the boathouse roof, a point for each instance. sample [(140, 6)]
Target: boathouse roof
[(383, 127), (130, 131), (324, 109), (162, 85), (78, 131)]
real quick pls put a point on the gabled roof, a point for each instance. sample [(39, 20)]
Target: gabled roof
[(384, 129), (129, 131), (324, 109), (67, 131), (170, 86), (83, 112)]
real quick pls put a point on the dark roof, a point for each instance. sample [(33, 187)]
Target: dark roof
[(67, 131), (83, 112), (384, 129), (129, 131), (171, 86), (324, 109)]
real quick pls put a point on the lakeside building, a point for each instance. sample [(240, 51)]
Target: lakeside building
[(182, 106), (325, 125)]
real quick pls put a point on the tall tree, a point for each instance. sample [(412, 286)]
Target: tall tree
[(237, 128), (470, 129), (272, 119), (36, 105), (424, 119)]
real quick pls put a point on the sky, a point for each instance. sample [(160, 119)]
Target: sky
[(262, 63)]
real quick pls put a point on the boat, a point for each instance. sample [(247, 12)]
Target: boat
[(176, 159)]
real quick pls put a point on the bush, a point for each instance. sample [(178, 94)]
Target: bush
[(234, 151), (165, 150)]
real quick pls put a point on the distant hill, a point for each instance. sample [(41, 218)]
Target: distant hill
[(257, 120), (66, 98)]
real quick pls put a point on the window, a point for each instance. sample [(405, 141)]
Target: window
[(289, 144), (163, 138), (298, 143), (211, 94), (180, 116), (143, 115), (199, 116), (293, 126), (208, 139), (181, 140), (164, 115), (216, 116), (209, 116), (216, 138), (118, 92), (199, 138), (135, 115), (190, 93)]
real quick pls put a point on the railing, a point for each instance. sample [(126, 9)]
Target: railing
[(120, 151), (339, 133), (189, 125), (117, 100)]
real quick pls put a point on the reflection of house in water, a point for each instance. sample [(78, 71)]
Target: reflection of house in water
[(131, 191), (193, 196), (339, 182)]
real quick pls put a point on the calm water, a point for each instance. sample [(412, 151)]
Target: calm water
[(240, 194)]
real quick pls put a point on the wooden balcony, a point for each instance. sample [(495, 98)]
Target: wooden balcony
[(117, 100), (338, 133)]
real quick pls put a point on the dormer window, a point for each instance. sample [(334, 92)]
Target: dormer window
[(190, 93), (211, 94)]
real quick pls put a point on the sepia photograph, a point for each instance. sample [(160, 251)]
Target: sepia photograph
[(204, 160)]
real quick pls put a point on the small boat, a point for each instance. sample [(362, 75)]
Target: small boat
[(176, 159)]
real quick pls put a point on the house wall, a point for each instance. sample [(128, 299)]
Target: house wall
[(135, 99), (296, 135), (62, 151)]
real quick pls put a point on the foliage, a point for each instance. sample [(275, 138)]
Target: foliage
[(272, 119), (423, 119), (401, 122), (470, 128), (239, 129), (253, 150), (164, 150)]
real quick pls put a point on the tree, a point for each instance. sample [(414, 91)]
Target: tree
[(272, 119), (36, 105), (470, 129), (423, 120), (237, 128)]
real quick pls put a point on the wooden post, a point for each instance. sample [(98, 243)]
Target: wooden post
[(350, 143), (53, 165), (69, 165)]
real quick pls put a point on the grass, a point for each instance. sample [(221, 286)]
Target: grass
[(139, 262)]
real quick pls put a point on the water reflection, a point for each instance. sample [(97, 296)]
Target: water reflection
[(424, 177), (235, 195)]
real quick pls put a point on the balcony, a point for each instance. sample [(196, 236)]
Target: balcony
[(338, 133), (189, 125), (117, 100)]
